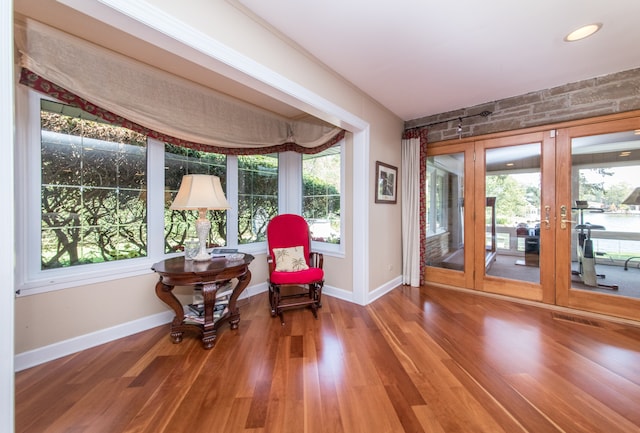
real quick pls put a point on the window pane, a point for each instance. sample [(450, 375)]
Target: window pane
[(445, 211), (321, 194), (180, 224), (93, 189), (257, 196), (605, 192), (513, 185)]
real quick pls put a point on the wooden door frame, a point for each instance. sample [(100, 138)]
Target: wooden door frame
[(545, 290), (452, 277), (562, 295), (566, 295)]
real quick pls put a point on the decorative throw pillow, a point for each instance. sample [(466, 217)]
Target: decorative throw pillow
[(290, 259)]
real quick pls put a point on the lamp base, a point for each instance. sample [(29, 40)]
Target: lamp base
[(203, 226), (202, 257)]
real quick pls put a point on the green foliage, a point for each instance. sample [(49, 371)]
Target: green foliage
[(180, 224), (79, 127), (595, 192), (321, 195), (91, 203), (94, 193), (511, 198)]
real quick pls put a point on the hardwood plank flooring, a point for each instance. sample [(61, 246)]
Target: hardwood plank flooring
[(415, 360)]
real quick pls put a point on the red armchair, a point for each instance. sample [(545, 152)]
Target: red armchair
[(296, 276)]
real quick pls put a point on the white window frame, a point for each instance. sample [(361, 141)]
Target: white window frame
[(31, 279), (326, 247)]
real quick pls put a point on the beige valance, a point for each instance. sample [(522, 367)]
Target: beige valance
[(156, 99)]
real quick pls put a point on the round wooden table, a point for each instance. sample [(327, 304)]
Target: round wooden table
[(209, 275)]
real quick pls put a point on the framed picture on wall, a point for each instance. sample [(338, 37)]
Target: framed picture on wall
[(386, 183)]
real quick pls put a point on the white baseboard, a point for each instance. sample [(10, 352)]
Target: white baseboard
[(29, 359), (384, 289), (44, 354), (334, 292), (254, 290), (370, 297)]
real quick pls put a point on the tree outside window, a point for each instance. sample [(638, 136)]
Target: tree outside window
[(321, 194), (257, 196), (93, 189), (180, 224)]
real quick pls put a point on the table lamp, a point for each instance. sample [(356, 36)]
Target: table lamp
[(201, 192)]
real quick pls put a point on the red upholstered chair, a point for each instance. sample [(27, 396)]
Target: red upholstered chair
[(295, 273)]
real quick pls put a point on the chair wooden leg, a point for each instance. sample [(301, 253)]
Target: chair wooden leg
[(280, 302), (318, 293), (274, 299)]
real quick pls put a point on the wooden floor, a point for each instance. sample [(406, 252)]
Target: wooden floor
[(416, 360)]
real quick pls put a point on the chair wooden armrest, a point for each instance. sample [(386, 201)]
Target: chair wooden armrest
[(271, 263), (316, 260)]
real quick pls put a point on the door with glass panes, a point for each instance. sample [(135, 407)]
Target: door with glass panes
[(514, 231), (449, 242), (551, 216), (598, 209)]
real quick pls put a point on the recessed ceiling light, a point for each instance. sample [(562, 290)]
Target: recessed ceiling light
[(510, 164), (583, 32)]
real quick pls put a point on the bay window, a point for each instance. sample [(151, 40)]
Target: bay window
[(99, 207)]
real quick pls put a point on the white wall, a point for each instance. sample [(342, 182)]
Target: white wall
[(49, 322), (6, 219)]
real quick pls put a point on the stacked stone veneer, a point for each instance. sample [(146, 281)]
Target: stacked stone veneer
[(437, 248), (608, 94)]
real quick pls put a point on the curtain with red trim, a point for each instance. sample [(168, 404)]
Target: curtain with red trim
[(128, 93), (414, 169), (61, 94)]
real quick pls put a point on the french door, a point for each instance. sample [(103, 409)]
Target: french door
[(599, 192), (514, 203), (485, 201), (551, 216)]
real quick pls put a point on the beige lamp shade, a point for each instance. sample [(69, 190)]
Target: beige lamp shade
[(634, 197), (200, 191)]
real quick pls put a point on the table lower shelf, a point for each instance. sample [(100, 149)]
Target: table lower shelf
[(208, 332)]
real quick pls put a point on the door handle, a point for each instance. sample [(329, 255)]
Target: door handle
[(563, 218), (546, 221)]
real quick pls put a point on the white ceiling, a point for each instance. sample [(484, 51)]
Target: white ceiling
[(424, 57), (416, 57)]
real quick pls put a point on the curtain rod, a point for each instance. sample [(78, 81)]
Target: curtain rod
[(484, 113)]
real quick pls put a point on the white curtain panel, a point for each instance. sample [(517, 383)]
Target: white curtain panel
[(156, 99), (411, 212)]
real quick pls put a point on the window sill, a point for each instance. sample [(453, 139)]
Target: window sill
[(59, 279)]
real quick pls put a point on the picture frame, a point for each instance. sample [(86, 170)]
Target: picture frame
[(386, 183)]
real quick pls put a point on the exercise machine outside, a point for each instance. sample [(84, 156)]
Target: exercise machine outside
[(586, 255)]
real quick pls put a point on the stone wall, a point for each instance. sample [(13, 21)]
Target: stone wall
[(599, 96), (437, 248)]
